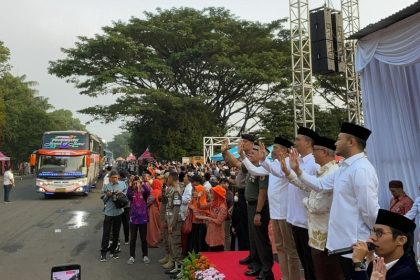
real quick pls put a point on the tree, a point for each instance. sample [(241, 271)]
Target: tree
[(119, 145), (172, 126), (63, 120), (233, 65)]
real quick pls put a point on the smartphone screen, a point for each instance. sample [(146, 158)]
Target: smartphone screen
[(66, 272)]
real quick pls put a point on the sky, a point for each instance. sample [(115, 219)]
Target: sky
[(36, 30)]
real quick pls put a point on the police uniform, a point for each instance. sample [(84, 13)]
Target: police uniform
[(174, 221)]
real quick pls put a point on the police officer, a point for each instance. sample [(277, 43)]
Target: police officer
[(174, 221)]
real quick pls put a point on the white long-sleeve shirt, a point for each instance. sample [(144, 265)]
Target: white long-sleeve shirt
[(355, 200), (186, 198), (415, 209), (277, 187), (296, 211)]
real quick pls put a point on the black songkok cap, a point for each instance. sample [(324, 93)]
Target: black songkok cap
[(307, 132), (249, 137), (197, 178), (283, 141), (355, 130), (325, 142), (395, 221)]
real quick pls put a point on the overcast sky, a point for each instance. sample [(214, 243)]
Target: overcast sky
[(35, 30)]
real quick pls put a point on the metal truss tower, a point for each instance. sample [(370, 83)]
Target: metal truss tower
[(351, 22), (210, 142), (301, 64)]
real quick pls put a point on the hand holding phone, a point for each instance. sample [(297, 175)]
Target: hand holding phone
[(66, 272)]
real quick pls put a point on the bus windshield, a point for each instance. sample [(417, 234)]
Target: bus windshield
[(51, 166)]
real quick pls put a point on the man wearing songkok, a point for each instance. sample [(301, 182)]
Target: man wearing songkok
[(355, 191), (296, 211), (318, 206), (400, 203), (277, 198), (391, 236), (246, 145)]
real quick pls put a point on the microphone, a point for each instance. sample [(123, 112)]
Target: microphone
[(348, 250)]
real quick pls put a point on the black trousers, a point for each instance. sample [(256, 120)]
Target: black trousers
[(256, 262), (142, 229), (126, 223), (114, 223), (197, 238), (263, 244), (301, 237)]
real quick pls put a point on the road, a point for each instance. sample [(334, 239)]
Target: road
[(38, 233)]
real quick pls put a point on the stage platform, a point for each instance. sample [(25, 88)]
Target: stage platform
[(228, 263)]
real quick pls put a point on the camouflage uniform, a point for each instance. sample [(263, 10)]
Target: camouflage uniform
[(174, 221)]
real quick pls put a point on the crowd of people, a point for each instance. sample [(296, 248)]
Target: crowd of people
[(317, 204)]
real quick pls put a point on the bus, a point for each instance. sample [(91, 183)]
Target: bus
[(68, 162)]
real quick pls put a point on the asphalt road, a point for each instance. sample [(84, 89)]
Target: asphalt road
[(38, 233)]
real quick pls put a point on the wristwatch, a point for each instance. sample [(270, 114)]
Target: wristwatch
[(359, 266)]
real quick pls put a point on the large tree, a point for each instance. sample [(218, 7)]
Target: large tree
[(25, 115), (172, 126), (233, 65)]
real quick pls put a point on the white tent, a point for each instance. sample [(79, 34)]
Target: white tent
[(388, 61)]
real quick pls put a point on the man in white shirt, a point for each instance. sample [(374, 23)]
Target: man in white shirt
[(318, 205), (355, 191), (277, 197), (8, 183)]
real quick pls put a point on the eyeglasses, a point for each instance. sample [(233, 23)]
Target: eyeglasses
[(378, 232), (114, 177)]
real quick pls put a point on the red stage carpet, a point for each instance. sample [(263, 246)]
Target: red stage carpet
[(228, 263)]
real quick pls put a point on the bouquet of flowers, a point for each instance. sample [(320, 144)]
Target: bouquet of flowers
[(194, 263), (209, 274)]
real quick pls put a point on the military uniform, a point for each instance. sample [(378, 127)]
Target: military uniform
[(258, 235), (164, 225), (174, 221)]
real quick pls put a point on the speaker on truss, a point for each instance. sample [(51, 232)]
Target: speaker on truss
[(327, 41), (338, 40)]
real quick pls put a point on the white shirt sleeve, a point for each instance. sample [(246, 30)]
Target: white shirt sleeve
[(326, 183), (272, 168), (254, 170), (366, 190), (412, 213), (293, 179), (186, 195)]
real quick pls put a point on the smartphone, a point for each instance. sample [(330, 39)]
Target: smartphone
[(66, 272)]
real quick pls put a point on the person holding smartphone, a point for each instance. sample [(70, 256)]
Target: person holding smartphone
[(138, 194), (113, 215)]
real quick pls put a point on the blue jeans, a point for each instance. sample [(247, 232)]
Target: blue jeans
[(7, 189)]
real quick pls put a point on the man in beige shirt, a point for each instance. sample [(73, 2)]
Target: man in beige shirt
[(318, 205)]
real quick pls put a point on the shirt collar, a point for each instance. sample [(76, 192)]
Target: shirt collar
[(349, 161), (325, 167), (306, 158), (390, 264)]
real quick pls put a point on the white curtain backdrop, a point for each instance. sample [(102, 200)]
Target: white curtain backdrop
[(388, 62)]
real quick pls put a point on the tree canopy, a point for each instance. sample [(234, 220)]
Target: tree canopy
[(25, 116)]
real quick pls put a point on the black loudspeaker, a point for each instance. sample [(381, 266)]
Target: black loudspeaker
[(323, 57), (338, 40), (327, 41)]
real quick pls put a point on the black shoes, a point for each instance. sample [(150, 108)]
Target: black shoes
[(246, 261)]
